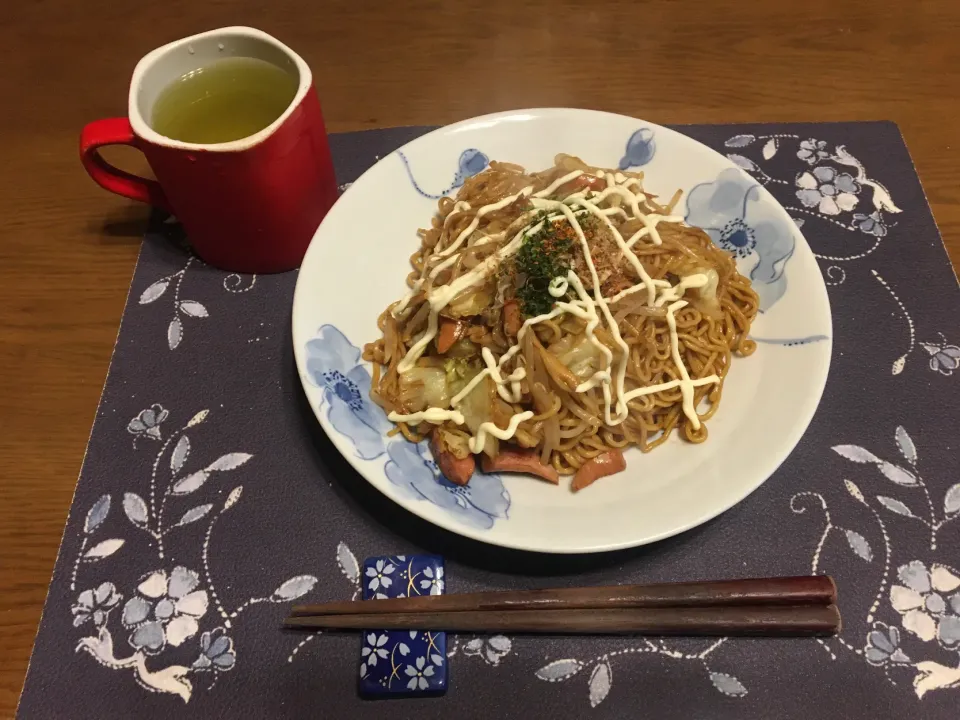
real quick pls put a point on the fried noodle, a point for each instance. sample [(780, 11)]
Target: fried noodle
[(565, 312)]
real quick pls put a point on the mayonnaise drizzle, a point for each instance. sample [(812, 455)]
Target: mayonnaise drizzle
[(477, 443), (432, 415), (686, 384), (637, 288), (558, 287), (593, 310), (443, 266), (697, 280), (440, 297), (458, 207), (493, 370), (650, 226), (407, 297), (557, 183), (475, 223)]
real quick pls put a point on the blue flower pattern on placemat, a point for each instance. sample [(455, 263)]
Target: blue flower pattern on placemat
[(833, 187), (738, 220), (471, 162), (166, 609), (916, 592), (925, 595), (828, 190)]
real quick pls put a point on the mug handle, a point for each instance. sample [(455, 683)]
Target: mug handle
[(117, 131)]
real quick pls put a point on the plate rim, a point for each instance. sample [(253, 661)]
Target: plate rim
[(433, 514)]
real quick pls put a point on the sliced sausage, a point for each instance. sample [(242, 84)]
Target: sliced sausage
[(512, 321), (508, 460), (450, 332), (453, 468), (604, 464), (587, 182)]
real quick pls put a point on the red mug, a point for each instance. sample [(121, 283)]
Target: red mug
[(251, 205)]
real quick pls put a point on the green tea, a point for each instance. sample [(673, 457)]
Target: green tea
[(227, 100)]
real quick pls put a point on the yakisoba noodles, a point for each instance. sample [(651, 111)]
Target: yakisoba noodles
[(555, 318)]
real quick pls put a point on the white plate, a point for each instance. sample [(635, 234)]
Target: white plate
[(359, 259)]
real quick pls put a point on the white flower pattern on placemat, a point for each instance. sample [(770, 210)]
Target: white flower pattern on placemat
[(944, 358), (491, 649), (165, 610), (600, 678), (175, 603), (167, 607), (925, 601), (95, 605), (922, 602), (929, 602), (827, 190), (186, 309)]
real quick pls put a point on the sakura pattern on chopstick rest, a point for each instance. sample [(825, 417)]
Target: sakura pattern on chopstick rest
[(402, 662)]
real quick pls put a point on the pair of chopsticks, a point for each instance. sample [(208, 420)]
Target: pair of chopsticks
[(784, 606)]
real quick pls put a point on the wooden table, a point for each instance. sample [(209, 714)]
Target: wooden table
[(68, 248)]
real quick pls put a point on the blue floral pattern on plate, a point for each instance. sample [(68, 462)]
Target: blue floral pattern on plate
[(333, 364), (470, 163), (479, 503), (730, 209), (402, 662), (640, 149), (737, 219)]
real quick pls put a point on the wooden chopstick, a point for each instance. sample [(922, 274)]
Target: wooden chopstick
[(766, 620), (804, 590)]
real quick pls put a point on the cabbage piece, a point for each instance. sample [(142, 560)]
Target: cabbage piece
[(459, 371), (708, 293), (579, 355), (470, 302), (423, 387), (454, 442), (477, 408)]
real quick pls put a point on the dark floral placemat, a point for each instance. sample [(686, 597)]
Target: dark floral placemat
[(209, 500)]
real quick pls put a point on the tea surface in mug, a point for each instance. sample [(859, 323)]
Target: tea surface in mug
[(227, 100)]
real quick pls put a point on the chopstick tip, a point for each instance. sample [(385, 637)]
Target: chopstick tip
[(833, 589)]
